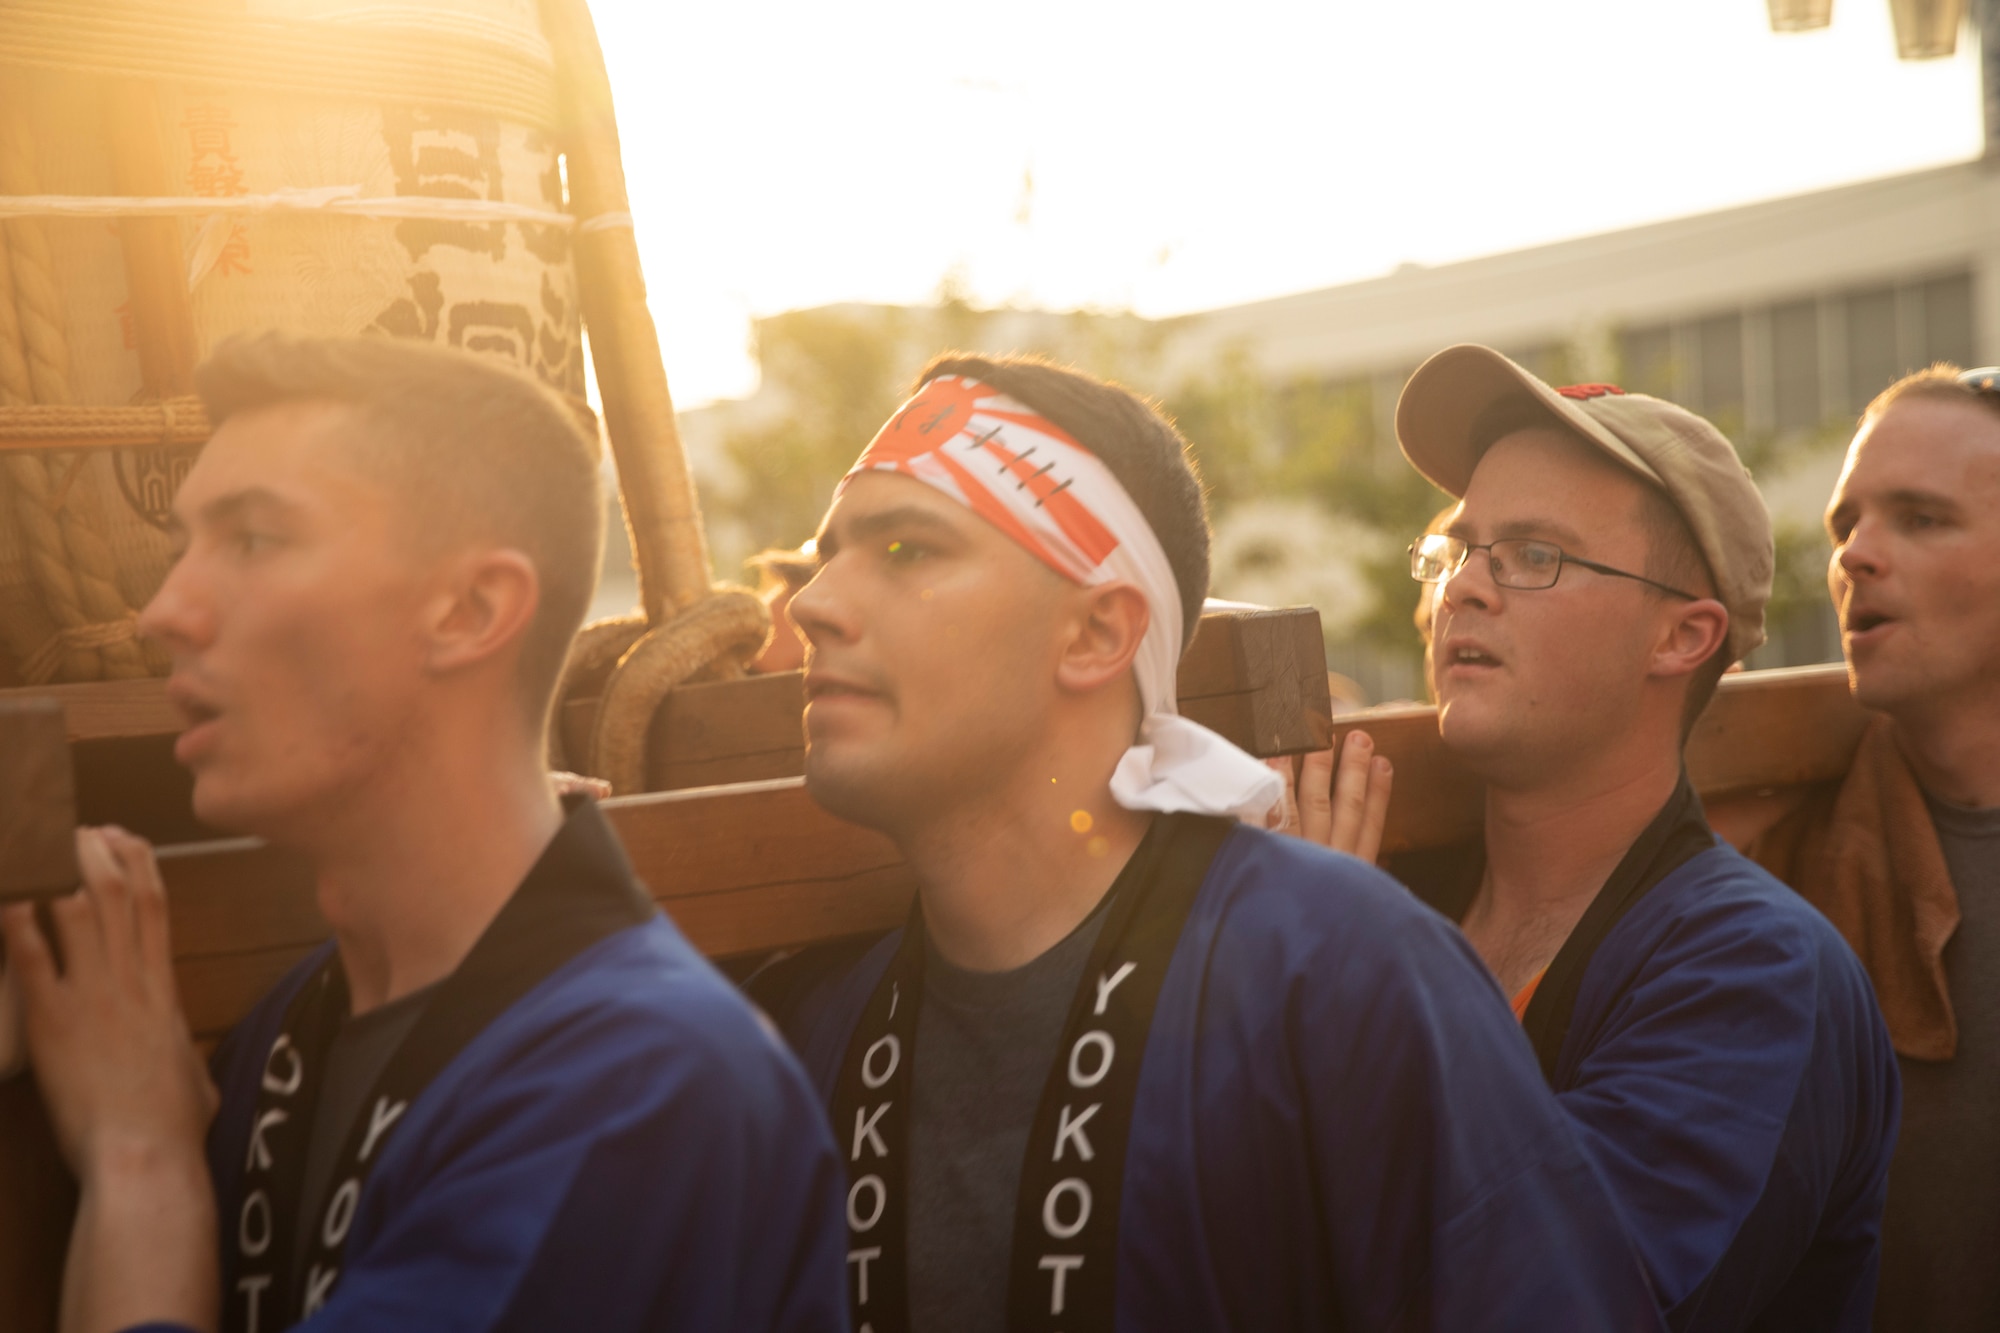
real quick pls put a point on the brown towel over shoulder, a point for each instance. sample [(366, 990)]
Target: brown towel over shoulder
[(1864, 851)]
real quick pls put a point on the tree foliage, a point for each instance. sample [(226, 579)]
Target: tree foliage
[(836, 377), (1317, 440), (831, 376)]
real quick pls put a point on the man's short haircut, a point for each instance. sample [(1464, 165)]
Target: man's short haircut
[(479, 451), (1133, 438), (1673, 556), (1937, 382)]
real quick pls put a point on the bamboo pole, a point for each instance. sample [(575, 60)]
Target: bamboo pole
[(668, 542)]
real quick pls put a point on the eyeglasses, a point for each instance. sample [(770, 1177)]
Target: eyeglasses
[(1984, 380), (1515, 562)]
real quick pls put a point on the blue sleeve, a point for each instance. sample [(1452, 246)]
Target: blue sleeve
[(1460, 1197), (1731, 1097), (626, 1181)]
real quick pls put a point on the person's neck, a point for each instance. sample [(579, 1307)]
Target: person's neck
[(1953, 747), (1551, 845), (1006, 876), (412, 870)]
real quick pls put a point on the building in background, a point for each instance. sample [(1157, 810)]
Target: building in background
[(1778, 320)]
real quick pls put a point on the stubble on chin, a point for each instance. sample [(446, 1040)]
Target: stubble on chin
[(849, 791), (1882, 688)]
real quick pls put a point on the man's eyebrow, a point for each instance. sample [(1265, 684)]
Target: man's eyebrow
[(236, 504), (899, 518), (1911, 496), (1545, 529)]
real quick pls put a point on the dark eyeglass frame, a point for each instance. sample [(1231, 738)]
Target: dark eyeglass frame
[(1451, 567)]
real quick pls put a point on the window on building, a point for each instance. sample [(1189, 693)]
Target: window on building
[(1549, 362), (1646, 357), (1719, 350), (1795, 365), (1872, 362), (1948, 320)]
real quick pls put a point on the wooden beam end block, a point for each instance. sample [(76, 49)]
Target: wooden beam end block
[(1259, 678)]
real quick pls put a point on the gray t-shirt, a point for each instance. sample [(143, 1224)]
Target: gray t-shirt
[(985, 1044), (1941, 1232), (360, 1052)]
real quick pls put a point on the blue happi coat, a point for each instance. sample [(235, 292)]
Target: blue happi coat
[(625, 1148), (1338, 1124), (1731, 1078)]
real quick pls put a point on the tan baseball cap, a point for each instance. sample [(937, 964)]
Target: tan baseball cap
[(1669, 446)]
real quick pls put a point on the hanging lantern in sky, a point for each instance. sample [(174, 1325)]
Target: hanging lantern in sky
[(1926, 29), (1800, 15)]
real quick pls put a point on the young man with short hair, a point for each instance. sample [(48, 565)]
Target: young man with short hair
[(508, 1095), (1132, 1064), (1903, 855), (1712, 1039)]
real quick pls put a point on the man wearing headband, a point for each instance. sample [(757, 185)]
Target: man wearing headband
[(1131, 1064), (1713, 1040)]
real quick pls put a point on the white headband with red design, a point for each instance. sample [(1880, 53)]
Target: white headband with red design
[(1023, 474)]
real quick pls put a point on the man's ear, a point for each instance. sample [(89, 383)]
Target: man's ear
[(1110, 625), (1690, 637), (483, 609)]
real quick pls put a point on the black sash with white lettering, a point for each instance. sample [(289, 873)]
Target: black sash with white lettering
[(1063, 1267), (580, 891)]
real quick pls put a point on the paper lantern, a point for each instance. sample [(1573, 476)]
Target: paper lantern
[(1800, 15), (1926, 29)]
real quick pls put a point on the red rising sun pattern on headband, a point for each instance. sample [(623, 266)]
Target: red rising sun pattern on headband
[(928, 421), (942, 411)]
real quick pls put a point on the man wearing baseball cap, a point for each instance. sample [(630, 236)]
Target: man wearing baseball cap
[(1713, 1040)]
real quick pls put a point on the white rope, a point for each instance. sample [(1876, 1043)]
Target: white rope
[(340, 200), (605, 222)]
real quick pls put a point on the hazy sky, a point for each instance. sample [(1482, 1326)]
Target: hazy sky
[(1171, 157)]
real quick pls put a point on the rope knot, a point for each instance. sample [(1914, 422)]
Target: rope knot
[(41, 668)]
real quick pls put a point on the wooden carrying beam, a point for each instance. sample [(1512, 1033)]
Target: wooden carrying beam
[(749, 868), (741, 869), (1766, 731), (1258, 677), (758, 866)]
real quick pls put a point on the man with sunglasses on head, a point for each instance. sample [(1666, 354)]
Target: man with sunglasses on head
[(1711, 1037), (1903, 854)]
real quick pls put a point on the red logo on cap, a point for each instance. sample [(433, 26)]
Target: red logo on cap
[(1589, 390)]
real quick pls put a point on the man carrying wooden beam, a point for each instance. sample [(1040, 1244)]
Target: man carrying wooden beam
[(1904, 854), (509, 1095), (1711, 1037), (1131, 1063)]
